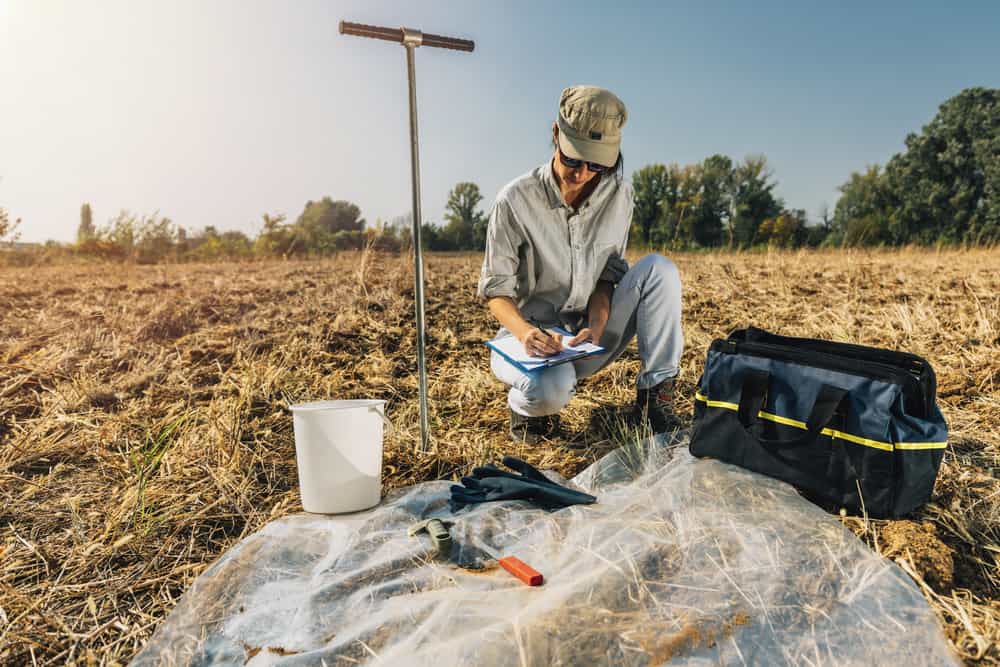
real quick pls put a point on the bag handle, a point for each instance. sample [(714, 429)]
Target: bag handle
[(754, 393)]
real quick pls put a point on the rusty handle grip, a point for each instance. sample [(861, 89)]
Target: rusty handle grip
[(448, 42), (372, 31), (396, 35)]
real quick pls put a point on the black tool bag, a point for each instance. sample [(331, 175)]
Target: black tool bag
[(851, 425)]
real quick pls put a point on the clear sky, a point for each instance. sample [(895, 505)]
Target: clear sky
[(215, 111)]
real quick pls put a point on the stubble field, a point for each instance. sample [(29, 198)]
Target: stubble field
[(144, 430)]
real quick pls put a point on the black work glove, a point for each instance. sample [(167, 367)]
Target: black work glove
[(490, 483)]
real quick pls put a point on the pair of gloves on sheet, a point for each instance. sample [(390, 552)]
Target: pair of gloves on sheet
[(490, 483)]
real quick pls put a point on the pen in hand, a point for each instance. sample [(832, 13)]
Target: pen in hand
[(554, 347)]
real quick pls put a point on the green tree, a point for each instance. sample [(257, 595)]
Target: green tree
[(327, 225), (86, 230), (946, 184), (786, 230), (382, 236), (818, 234), (753, 200), (861, 216), (712, 210), (121, 231), (332, 216), (8, 229), (401, 228), (433, 237), (465, 224), (276, 237), (683, 196), (210, 243), (703, 204), (145, 239), (945, 187), (156, 238), (649, 192)]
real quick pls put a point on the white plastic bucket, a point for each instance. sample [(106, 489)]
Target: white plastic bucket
[(338, 448)]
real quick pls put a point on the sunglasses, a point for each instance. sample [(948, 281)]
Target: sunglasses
[(576, 164)]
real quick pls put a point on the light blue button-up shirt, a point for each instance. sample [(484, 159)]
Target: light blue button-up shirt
[(548, 257)]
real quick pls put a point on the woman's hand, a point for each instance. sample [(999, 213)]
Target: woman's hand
[(540, 343), (591, 334), (598, 312)]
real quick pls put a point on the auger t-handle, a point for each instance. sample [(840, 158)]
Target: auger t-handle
[(397, 35)]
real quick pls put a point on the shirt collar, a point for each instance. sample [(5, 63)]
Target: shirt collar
[(550, 186), (554, 195)]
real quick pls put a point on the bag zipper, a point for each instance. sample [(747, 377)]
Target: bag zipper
[(919, 403), (911, 363), (869, 369)]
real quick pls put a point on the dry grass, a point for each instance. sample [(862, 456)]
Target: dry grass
[(143, 428)]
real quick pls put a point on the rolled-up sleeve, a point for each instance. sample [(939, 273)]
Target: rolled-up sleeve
[(616, 267), (500, 263)]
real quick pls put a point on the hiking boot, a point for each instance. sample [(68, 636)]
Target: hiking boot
[(655, 407), (532, 430)]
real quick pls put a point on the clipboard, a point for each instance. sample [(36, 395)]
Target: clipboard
[(511, 349)]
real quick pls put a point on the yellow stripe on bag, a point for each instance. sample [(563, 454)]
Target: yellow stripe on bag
[(877, 444), (921, 445), (717, 404), (857, 439)]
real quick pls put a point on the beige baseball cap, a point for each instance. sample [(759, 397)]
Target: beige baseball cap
[(590, 124)]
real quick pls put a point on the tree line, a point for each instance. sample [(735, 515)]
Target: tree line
[(944, 188), (324, 227)]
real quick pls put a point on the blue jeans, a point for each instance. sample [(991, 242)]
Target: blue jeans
[(646, 304)]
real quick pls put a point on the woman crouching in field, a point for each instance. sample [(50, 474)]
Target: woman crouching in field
[(555, 257)]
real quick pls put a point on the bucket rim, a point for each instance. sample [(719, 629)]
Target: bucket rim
[(340, 404)]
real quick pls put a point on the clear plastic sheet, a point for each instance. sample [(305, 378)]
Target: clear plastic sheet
[(686, 561)]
